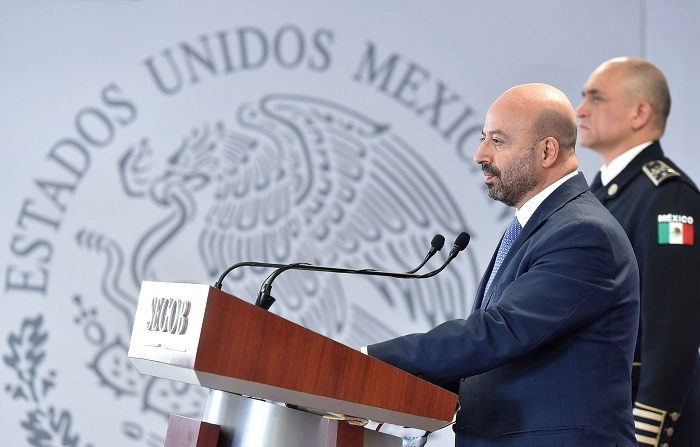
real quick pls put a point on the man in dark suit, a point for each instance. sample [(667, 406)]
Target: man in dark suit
[(623, 114), (544, 358)]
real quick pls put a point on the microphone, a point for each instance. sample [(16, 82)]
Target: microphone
[(265, 300), (435, 245), (459, 244)]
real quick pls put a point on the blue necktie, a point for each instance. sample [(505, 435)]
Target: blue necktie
[(509, 237)]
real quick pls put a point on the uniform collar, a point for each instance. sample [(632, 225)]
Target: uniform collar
[(610, 171), (633, 168)]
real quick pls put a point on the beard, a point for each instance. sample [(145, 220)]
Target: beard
[(512, 182)]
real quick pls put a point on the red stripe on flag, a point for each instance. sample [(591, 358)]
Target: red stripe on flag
[(688, 234)]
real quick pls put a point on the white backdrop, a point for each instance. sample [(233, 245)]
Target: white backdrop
[(166, 139)]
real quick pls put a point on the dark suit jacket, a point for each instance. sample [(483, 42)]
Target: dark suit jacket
[(666, 376), (545, 358)]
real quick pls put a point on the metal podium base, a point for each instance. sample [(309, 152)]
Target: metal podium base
[(247, 422)]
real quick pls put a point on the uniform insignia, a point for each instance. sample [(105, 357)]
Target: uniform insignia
[(676, 229), (652, 426), (613, 189), (658, 171)]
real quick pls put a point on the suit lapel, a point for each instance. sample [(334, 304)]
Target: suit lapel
[(558, 198)]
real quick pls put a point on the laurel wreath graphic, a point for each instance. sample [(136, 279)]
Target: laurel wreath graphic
[(46, 425)]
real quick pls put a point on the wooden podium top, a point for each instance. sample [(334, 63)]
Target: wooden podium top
[(198, 334)]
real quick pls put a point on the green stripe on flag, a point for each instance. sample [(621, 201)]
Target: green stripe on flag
[(664, 232)]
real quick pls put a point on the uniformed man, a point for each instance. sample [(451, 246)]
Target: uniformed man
[(623, 114)]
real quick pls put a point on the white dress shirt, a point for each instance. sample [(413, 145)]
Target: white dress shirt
[(528, 209)]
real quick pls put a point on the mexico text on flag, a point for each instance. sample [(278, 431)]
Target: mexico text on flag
[(676, 229)]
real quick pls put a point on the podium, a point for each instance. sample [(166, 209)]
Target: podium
[(272, 382)]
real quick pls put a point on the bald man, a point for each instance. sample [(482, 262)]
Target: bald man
[(544, 359), (623, 115)]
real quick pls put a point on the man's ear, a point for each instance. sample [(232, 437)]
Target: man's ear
[(642, 115), (550, 151)]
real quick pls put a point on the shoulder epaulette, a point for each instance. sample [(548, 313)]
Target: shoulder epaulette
[(658, 171)]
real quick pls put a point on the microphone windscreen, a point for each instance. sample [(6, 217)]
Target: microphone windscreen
[(462, 241), (438, 242)]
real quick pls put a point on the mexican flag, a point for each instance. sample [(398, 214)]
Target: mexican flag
[(676, 233)]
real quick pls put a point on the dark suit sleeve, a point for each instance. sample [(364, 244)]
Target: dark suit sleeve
[(670, 336), (561, 284)]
